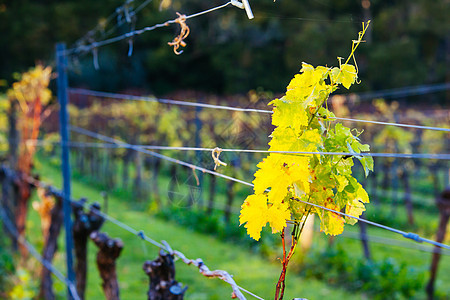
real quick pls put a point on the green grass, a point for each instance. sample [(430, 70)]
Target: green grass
[(251, 271)]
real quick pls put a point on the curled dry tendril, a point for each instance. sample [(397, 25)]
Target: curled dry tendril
[(179, 40)]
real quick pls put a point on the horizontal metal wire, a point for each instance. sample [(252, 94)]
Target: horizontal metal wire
[(160, 100), (301, 153), (231, 108), (393, 242), (95, 45), (405, 91)]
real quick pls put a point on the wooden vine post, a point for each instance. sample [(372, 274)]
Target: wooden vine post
[(364, 238), (50, 246), (443, 203), (109, 251), (9, 200), (163, 285), (84, 224)]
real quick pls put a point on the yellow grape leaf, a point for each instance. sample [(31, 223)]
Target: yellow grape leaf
[(299, 94), (278, 172), (268, 173), (298, 168), (277, 216), (306, 68), (361, 194), (308, 86), (356, 206), (331, 223), (279, 189), (342, 182), (286, 139), (348, 75), (254, 212), (288, 114)]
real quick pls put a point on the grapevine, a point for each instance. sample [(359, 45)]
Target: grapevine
[(302, 124)]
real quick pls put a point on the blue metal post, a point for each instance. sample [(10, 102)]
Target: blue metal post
[(61, 62)]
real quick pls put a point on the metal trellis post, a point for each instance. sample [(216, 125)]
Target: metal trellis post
[(62, 85)]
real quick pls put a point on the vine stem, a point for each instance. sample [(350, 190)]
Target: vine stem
[(281, 284), (355, 45)]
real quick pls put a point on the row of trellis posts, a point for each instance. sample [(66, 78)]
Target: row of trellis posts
[(85, 225)]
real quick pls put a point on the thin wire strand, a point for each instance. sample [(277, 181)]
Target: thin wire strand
[(405, 91), (271, 16), (87, 48), (222, 107), (111, 140), (115, 144), (223, 275), (393, 242), (111, 17), (8, 224), (408, 235), (132, 13), (142, 6), (392, 124), (164, 101)]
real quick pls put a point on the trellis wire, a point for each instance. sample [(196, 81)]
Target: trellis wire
[(223, 275), (393, 242), (132, 13), (408, 235), (111, 17), (392, 124), (406, 91), (95, 45), (194, 167), (222, 107), (8, 224), (164, 101), (152, 147)]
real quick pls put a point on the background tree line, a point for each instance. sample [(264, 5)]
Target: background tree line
[(227, 53)]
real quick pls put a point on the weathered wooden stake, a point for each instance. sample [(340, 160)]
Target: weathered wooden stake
[(212, 194), (50, 247), (408, 201), (229, 203), (163, 285), (364, 238), (9, 200), (109, 251), (84, 224), (443, 203)]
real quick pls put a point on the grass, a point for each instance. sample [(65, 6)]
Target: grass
[(253, 272), (250, 271)]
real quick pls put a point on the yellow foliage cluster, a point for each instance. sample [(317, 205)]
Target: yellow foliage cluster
[(32, 94), (285, 181)]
